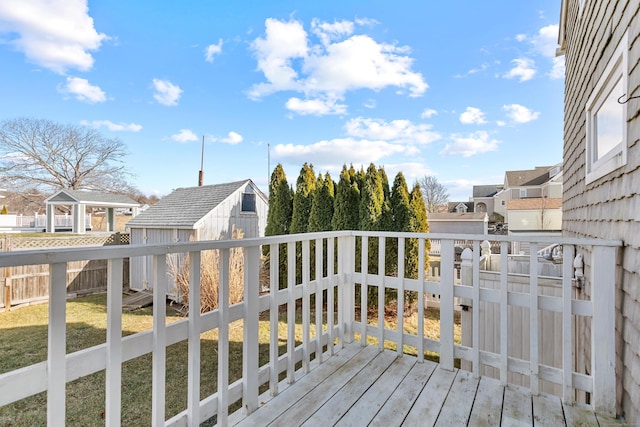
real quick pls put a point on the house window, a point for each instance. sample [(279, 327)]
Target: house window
[(606, 118), (248, 202), (523, 193)]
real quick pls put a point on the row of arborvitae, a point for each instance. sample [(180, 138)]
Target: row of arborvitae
[(361, 200)]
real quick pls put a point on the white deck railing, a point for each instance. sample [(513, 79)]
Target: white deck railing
[(39, 221), (335, 283)]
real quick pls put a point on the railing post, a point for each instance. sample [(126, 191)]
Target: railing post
[(158, 387), (113, 380), (223, 336), (250, 329), (603, 343), (346, 309), (193, 379), (57, 345), (446, 305), (466, 317)]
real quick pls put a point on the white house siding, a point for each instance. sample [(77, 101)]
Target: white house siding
[(141, 268), (528, 220), (609, 207), (220, 222)]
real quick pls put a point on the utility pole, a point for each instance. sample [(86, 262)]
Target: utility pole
[(201, 173)]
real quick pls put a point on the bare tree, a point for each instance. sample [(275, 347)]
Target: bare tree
[(434, 193), (42, 155)]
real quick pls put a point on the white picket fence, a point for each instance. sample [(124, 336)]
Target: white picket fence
[(335, 282)]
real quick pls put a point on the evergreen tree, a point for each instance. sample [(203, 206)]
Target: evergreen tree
[(302, 199), (386, 217), (346, 201), (399, 218), (371, 200), (280, 204), (321, 215), (417, 224), (279, 216)]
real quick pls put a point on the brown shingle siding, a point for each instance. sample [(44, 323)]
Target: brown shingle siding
[(610, 206)]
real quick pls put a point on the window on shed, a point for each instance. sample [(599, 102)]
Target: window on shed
[(248, 202), (606, 118)]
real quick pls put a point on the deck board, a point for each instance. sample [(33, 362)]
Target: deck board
[(399, 403), (427, 406), (457, 407), (363, 386), (365, 409)]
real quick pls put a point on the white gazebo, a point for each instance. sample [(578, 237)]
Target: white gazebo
[(79, 200)]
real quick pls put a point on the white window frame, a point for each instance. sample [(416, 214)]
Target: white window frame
[(617, 68), (523, 193)]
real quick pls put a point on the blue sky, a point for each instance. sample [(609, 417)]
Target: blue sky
[(463, 90)]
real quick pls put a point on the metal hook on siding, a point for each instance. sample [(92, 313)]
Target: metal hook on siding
[(626, 100)]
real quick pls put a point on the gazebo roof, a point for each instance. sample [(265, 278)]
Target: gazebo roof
[(91, 198)]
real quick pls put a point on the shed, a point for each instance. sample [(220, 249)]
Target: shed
[(79, 200), (197, 213), (460, 223)]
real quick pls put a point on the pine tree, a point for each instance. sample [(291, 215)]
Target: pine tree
[(399, 218), (371, 200), (346, 201), (279, 216), (280, 204), (302, 199), (321, 215), (418, 224)]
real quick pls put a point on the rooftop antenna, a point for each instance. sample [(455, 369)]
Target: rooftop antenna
[(201, 173)]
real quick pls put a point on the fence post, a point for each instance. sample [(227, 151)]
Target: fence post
[(466, 318), (603, 342), (346, 309)]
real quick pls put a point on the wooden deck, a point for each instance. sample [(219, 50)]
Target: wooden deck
[(362, 386)]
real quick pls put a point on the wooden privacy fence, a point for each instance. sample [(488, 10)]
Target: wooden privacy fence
[(23, 285)]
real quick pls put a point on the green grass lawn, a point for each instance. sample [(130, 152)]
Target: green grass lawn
[(23, 342)]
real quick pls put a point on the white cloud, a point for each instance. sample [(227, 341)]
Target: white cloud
[(396, 130), (166, 93), (317, 107), (470, 144), (326, 154), (55, 34), (232, 138), (328, 32), (113, 127), (557, 69), (501, 123), (185, 135), (370, 104), (412, 171), (472, 116), (546, 41), (519, 113), (521, 37), (211, 50), (340, 62), (82, 90), (524, 69), (428, 113)]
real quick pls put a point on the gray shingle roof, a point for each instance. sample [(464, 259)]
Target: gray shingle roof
[(93, 198), (185, 206), (537, 176), (485, 190)]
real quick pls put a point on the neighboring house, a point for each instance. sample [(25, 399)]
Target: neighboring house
[(534, 185), (79, 200), (458, 218), (197, 213), (459, 223), (483, 200), (600, 41), (535, 216)]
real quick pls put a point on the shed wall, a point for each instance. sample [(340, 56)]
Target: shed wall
[(610, 206)]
